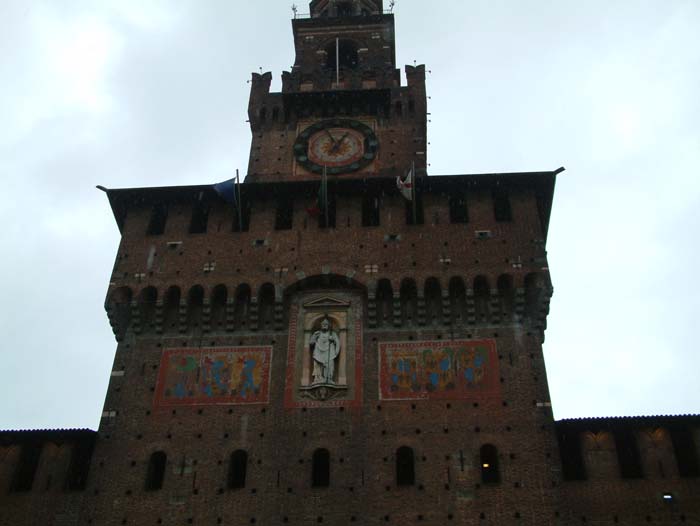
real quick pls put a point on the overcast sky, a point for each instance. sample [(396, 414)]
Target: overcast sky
[(127, 94)]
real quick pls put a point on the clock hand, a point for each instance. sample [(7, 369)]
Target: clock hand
[(331, 136), (339, 142)]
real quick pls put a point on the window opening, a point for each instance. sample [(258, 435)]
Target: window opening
[(237, 467), (79, 466), (458, 208), (405, 467), (23, 478), (501, 205), (628, 454), (571, 454), (685, 452), (488, 458), (200, 217), (419, 208), (321, 469), (156, 471), (159, 216), (284, 214), (344, 9), (370, 210), (347, 53)]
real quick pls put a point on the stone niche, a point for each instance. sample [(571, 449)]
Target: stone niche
[(324, 351)]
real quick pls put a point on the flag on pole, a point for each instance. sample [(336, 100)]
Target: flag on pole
[(227, 191), (406, 185), (230, 191), (321, 204)]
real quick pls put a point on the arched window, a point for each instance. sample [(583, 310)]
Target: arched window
[(275, 114), (409, 300), (266, 304), (156, 471), (347, 53), (219, 296), (433, 301), (506, 293), (147, 306), (385, 302), (263, 115), (458, 299), (321, 469), (482, 295), (237, 467), (195, 300), (405, 467), (171, 308), (241, 305), (488, 458), (398, 108)]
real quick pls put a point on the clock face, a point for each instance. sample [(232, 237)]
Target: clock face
[(341, 145)]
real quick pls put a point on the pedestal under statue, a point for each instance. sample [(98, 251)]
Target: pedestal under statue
[(325, 348)]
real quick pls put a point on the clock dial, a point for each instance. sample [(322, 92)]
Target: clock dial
[(336, 147), (341, 145)]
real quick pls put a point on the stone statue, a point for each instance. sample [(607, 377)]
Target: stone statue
[(325, 348)]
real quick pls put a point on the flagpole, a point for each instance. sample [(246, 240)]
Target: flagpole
[(337, 62), (413, 190), (240, 214), (325, 194)]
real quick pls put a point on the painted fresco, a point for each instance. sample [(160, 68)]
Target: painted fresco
[(236, 375), (462, 369)]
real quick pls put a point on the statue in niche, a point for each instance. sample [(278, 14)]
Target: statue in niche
[(324, 345)]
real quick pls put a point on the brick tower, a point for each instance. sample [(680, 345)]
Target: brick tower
[(379, 361)]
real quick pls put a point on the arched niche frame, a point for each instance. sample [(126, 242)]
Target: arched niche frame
[(310, 381)]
